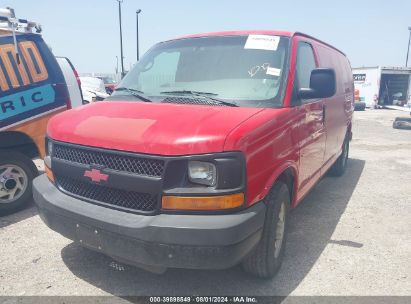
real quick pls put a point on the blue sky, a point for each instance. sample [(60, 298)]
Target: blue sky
[(369, 32)]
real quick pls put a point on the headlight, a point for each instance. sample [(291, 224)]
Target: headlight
[(202, 173), (49, 148)]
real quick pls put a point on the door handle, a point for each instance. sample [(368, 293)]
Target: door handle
[(323, 119)]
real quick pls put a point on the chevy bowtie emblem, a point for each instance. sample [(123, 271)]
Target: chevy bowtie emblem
[(96, 175)]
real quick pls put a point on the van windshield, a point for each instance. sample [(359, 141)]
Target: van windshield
[(246, 70)]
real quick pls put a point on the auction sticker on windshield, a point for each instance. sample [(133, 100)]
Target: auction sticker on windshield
[(273, 71), (262, 42)]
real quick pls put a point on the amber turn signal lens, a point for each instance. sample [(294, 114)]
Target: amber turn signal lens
[(49, 173), (203, 202)]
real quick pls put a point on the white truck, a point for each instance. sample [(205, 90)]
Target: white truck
[(382, 86), (93, 89)]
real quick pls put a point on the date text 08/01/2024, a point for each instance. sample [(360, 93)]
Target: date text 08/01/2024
[(203, 299)]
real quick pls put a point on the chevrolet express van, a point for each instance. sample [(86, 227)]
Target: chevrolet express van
[(32, 89), (201, 151)]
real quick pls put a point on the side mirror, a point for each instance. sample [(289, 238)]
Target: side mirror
[(322, 84)]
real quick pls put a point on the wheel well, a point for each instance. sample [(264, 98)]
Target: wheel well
[(288, 178), (18, 141)]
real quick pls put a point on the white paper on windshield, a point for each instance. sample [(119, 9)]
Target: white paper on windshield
[(273, 71), (262, 42)]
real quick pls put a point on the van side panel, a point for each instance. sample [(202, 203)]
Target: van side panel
[(32, 88), (336, 107), (35, 130)]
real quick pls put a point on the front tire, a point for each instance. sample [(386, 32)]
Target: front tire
[(265, 260), (16, 175)]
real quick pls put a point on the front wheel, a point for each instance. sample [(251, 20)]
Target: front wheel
[(265, 260), (16, 175)]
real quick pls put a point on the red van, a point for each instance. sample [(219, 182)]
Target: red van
[(201, 151)]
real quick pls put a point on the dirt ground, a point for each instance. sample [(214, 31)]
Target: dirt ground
[(350, 236)]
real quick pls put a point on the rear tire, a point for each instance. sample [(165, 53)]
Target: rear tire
[(266, 258), (17, 172), (338, 168)]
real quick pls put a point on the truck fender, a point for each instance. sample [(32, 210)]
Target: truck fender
[(276, 174)]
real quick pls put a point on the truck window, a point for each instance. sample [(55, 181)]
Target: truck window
[(305, 64)]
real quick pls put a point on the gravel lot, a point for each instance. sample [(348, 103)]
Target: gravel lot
[(350, 236)]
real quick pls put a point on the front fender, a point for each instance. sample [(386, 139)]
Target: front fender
[(275, 176), (269, 141)]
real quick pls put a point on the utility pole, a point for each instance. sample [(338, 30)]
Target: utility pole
[(116, 65), (138, 45), (408, 50), (121, 38)]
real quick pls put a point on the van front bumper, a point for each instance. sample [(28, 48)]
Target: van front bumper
[(158, 241)]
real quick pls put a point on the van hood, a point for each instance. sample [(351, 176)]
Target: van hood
[(152, 128)]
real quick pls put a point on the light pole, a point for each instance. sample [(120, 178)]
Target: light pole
[(116, 66), (408, 50), (138, 45), (121, 38)]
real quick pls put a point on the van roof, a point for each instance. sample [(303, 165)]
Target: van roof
[(9, 23), (257, 32), (7, 32)]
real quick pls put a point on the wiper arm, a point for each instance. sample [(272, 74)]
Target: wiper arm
[(188, 92), (136, 93), (207, 95)]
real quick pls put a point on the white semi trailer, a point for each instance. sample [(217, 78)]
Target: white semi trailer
[(382, 86)]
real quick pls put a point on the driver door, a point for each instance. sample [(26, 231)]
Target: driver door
[(312, 133)]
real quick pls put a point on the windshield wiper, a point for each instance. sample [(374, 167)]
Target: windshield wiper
[(207, 95), (136, 93)]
